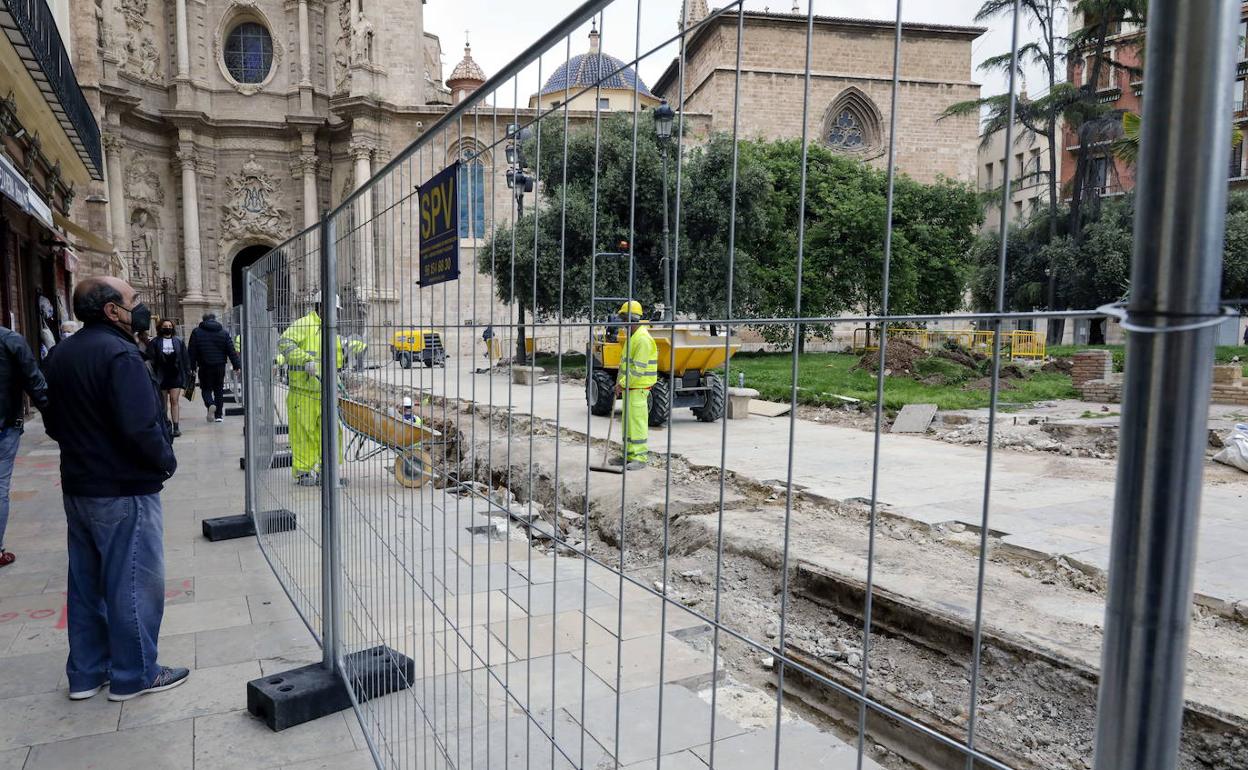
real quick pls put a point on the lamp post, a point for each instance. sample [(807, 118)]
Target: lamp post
[(519, 181), (664, 117)]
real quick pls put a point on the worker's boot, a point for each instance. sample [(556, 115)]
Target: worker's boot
[(635, 465), (308, 479)]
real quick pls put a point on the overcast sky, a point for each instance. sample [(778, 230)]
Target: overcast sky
[(501, 29)]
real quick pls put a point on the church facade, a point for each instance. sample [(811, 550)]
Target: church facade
[(850, 90), (230, 125)]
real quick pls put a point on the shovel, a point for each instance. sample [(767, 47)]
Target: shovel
[(605, 467)]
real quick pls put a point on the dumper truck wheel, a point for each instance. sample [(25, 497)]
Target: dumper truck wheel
[(600, 393), (716, 399), (405, 360), (660, 403)]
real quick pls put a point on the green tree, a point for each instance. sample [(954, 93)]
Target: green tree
[(845, 210)]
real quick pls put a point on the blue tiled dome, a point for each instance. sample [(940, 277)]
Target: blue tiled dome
[(585, 70)]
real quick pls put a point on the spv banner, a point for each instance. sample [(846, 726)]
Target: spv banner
[(439, 227)]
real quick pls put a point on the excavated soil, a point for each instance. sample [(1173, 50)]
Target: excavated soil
[(1038, 705)]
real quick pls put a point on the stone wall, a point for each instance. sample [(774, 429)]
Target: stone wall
[(1100, 386), (1091, 365)]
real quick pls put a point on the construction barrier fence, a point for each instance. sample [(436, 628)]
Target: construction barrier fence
[(487, 595)]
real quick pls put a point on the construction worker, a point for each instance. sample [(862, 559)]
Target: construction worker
[(300, 350), (639, 371)]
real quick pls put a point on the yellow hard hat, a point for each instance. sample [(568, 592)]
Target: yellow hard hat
[(632, 307)]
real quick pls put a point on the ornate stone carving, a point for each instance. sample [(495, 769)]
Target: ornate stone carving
[(303, 165), (253, 205), (362, 41), (142, 56), (113, 142), (342, 48), (142, 181), (360, 148)]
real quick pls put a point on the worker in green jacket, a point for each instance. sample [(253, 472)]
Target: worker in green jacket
[(639, 371), (300, 350)]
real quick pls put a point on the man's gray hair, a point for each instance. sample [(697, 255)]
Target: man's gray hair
[(90, 297)]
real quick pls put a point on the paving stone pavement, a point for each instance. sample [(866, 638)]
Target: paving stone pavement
[(496, 685)]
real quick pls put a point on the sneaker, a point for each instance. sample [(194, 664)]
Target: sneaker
[(210, 415), (88, 693), (167, 679), (635, 465), (218, 419), (7, 558)]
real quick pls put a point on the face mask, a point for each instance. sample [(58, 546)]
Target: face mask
[(166, 332), (140, 318)]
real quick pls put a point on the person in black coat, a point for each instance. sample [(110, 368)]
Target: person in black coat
[(116, 455), (19, 373), (210, 349), (171, 364)]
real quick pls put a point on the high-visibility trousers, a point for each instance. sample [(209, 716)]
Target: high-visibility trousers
[(303, 411), (636, 419)]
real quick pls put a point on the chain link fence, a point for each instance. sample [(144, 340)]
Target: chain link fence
[(502, 573)]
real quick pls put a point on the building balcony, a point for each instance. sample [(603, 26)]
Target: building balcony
[(32, 31)]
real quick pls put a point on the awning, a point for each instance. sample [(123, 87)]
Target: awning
[(83, 235)]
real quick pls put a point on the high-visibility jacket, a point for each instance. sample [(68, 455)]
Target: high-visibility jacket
[(639, 363), (301, 343)]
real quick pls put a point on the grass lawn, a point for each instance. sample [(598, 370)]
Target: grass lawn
[(1223, 355), (822, 376)]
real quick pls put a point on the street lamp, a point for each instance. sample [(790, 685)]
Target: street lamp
[(664, 117), (519, 181)]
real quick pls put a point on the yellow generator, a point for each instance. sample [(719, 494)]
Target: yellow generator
[(690, 372), (410, 345)]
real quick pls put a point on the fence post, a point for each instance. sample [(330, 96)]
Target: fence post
[(249, 421), (1175, 285), (331, 567)]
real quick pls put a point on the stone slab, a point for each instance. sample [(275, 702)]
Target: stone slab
[(528, 685), (44, 718), (686, 722), (801, 745), (236, 739), (168, 746), (768, 408), (914, 418)]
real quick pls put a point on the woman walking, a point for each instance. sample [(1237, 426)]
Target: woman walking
[(173, 367)]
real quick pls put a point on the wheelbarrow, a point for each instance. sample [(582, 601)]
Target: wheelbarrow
[(374, 432)]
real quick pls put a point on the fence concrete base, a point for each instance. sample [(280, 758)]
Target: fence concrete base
[(310, 692), (281, 459), (242, 525)]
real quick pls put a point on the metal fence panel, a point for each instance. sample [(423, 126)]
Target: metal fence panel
[(443, 514)]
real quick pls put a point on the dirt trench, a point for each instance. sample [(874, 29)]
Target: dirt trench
[(1036, 706)]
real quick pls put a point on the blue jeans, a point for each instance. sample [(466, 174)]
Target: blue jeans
[(9, 439), (116, 596)]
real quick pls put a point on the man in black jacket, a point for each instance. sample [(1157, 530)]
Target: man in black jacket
[(116, 454), (210, 348), (19, 373)]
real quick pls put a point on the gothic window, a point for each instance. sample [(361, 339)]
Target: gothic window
[(852, 123), (249, 53), (846, 133)]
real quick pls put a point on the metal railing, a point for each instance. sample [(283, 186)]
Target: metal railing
[(452, 525), (35, 35)]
